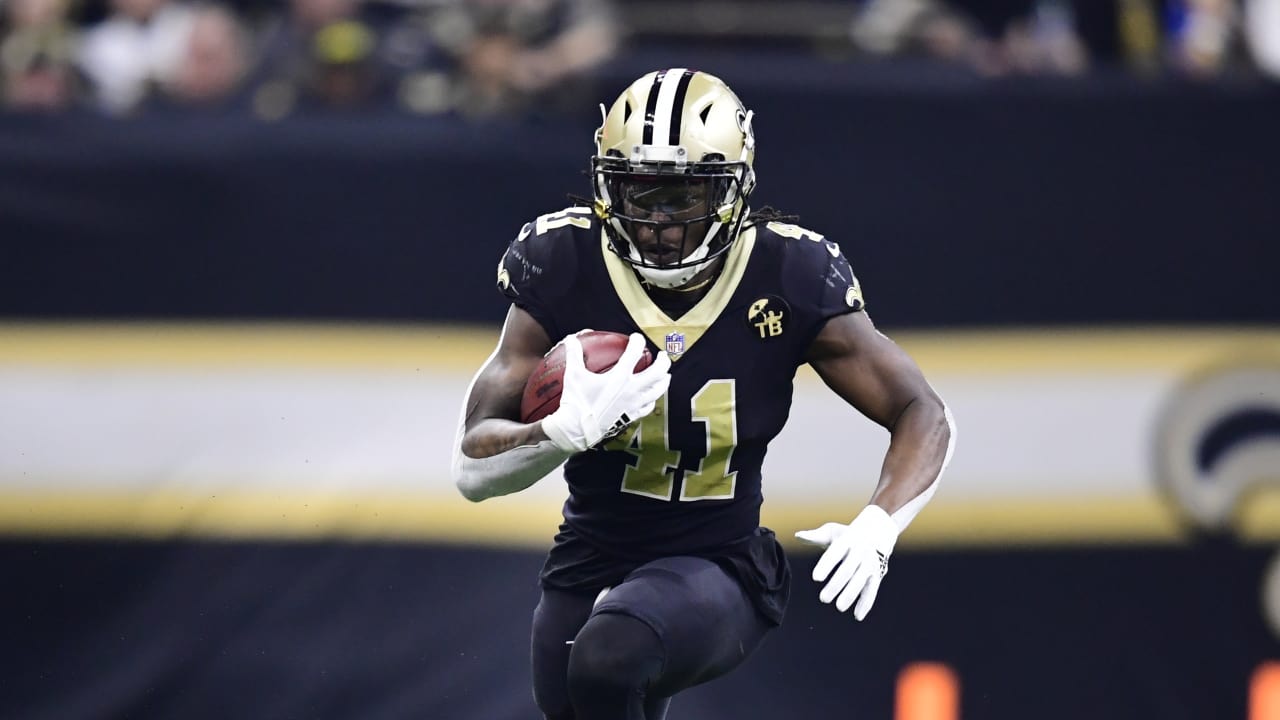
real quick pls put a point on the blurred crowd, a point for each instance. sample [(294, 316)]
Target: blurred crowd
[(484, 57), (1195, 39), (124, 57)]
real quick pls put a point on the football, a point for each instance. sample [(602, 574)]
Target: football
[(600, 351)]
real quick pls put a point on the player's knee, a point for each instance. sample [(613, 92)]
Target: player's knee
[(614, 654)]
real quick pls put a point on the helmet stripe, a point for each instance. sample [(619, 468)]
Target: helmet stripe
[(682, 89), (651, 106), (666, 106)]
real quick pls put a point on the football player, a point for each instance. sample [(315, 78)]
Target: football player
[(660, 577)]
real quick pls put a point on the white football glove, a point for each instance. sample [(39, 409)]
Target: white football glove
[(595, 406), (859, 554)]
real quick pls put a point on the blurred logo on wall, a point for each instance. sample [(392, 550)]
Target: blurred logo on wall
[(1217, 452), (1218, 442)]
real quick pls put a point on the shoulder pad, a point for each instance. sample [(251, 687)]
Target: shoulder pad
[(545, 253), (795, 232), (820, 259), (570, 217)]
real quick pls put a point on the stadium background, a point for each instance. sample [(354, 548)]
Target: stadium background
[(232, 354)]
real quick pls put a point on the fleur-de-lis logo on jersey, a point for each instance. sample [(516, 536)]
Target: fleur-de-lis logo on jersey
[(853, 296), (766, 316), (504, 278)]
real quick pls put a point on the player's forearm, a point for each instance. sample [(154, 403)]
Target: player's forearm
[(495, 436), (921, 443), (500, 457)]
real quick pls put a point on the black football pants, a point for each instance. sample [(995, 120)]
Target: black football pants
[(670, 625)]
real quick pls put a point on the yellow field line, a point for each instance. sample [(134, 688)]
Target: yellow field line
[(463, 347), (532, 521), (256, 344)]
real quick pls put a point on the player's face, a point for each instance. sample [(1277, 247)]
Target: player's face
[(669, 217)]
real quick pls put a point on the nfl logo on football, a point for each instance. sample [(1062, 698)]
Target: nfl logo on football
[(675, 344)]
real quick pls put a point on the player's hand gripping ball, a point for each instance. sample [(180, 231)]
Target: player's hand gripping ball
[(592, 385), (600, 352)]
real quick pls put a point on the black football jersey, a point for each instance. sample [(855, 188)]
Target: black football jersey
[(687, 478)]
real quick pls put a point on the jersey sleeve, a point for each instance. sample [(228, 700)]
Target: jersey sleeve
[(518, 279), (537, 271), (840, 291), (818, 275)]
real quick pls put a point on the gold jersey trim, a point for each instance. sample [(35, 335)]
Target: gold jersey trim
[(650, 318)]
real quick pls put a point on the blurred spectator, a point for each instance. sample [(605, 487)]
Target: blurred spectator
[(37, 70), (1138, 35), (1199, 39), (343, 71), (1262, 31), (1201, 33), (333, 54), (141, 43), (214, 60), (1045, 41), (1037, 37), (885, 27), (511, 52)]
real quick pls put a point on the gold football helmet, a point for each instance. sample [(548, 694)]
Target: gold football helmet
[(672, 173)]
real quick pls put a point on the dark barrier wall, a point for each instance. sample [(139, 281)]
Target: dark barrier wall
[(1010, 204), (387, 632)]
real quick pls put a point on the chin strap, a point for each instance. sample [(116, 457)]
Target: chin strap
[(695, 286)]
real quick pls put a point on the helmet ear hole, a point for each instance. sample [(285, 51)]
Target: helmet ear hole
[(706, 112), (626, 112)]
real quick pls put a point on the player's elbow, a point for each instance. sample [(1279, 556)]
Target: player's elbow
[(926, 422), (469, 482), (471, 491), (473, 488), (942, 418), (942, 424), (949, 423)]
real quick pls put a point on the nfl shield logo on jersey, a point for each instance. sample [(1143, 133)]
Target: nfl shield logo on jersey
[(675, 344)]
